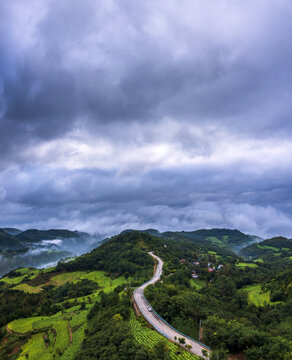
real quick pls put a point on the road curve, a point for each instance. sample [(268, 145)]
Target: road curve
[(155, 320)]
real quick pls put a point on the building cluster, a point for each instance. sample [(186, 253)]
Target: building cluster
[(209, 267)]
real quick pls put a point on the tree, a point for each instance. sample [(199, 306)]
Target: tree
[(160, 351), (219, 355), (182, 340), (204, 353)]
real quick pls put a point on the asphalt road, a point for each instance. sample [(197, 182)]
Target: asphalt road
[(155, 320)]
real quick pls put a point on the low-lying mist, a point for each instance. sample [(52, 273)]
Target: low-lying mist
[(47, 253)]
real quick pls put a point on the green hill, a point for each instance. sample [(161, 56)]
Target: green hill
[(9, 242), (275, 249), (82, 309), (224, 238), (12, 231), (34, 235)]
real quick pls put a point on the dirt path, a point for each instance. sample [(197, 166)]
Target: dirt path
[(14, 350), (70, 334), (8, 330)]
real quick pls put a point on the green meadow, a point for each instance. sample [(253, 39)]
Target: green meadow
[(27, 288), (256, 296), (197, 284), (62, 279), (251, 265)]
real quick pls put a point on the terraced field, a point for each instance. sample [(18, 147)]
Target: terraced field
[(58, 336), (148, 337), (51, 336)]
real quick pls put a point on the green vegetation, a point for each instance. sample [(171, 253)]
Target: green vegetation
[(149, 338), (28, 289), (66, 277), (220, 237), (256, 296), (35, 348), (23, 326), (197, 284), (272, 250), (30, 271), (53, 336), (13, 281), (106, 282), (81, 310), (242, 264)]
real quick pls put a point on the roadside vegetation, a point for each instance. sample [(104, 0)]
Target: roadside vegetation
[(149, 338), (82, 309)]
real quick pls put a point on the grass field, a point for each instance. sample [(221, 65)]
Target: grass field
[(246, 265), (266, 247), (78, 337), (256, 297), (62, 339), (13, 281), (28, 289), (22, 273), (27, 270), (148, 337), (104, 281), (62, 279), (217, 241), (49, 269), (36, 349), (196, 283), (23, 326)]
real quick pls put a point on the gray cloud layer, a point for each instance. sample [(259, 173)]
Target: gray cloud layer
[(136, 114)]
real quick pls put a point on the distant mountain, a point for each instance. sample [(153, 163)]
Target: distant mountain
[(12, 231), (35, 247), (34, 235), (8, 242), (271, 249), (225, 238)]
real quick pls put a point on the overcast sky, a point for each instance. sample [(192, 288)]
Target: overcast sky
[(175, 115)]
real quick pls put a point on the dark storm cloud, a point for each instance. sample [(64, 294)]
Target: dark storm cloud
[(98, 201), (138, 113), (134, 75)]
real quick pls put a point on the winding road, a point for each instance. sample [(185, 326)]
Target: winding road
[(155, 320)]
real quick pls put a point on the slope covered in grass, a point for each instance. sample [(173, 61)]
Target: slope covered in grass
[(148, 338)]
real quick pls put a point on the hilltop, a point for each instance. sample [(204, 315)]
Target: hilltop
[(232, 239), (274, 249)]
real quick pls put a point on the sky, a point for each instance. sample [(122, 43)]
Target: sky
[(174, 115)]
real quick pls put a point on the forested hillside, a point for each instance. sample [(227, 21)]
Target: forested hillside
[(277, 249), (82, 309)]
